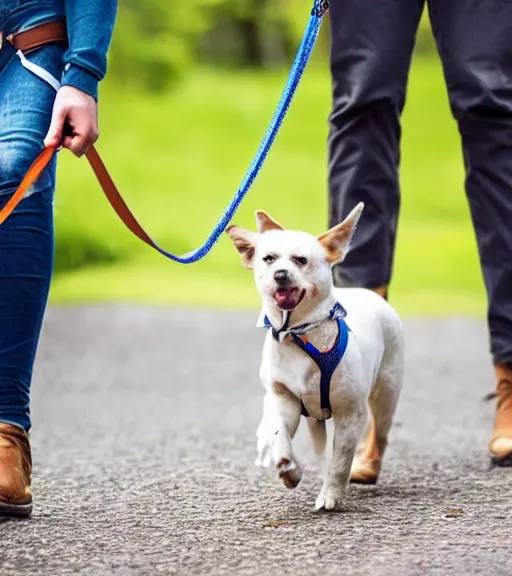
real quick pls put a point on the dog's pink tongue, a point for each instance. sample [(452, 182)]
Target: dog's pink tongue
[(287, 299)]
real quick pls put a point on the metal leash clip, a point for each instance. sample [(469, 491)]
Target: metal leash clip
[(320, 8)]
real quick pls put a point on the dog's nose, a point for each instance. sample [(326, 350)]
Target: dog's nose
[(281, 277)]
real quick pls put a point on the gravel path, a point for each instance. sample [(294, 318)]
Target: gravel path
[(144, 442)]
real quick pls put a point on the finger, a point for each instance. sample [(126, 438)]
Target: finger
[(67, 142), (78, 144), (88, 140), (54, 135)]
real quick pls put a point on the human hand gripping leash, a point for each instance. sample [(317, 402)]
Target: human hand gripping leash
[(318, 11)]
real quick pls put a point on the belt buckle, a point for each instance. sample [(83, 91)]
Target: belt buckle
[(8, 38)]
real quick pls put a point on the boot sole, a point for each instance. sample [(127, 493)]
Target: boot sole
[(503, 462), (15, 510), (366, 481)]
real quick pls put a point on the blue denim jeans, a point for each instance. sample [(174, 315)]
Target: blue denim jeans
[(26, 238)]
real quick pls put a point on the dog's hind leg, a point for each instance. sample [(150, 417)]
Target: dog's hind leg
[(367, 461), (318, 434), (383, 401)]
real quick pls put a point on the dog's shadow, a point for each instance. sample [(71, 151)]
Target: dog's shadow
[(362, 501)]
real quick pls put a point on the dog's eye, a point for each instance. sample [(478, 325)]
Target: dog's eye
[(269, 259), (300, 260)]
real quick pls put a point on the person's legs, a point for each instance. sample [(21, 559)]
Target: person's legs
[(371, 47), (26, 249), (473, 39)]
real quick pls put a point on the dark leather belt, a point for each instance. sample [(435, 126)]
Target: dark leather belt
[(38, 36)]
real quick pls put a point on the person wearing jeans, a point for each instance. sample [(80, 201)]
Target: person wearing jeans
[(33, 114), (371, 48)]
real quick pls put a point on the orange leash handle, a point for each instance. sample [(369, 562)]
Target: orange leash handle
[(31, 176)]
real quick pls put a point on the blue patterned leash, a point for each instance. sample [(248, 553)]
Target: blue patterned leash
[(318, 11), (320, 7)]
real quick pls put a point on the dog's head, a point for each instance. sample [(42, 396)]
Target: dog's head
[(293, 269)]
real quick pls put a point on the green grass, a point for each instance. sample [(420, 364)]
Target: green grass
[(178, 159)]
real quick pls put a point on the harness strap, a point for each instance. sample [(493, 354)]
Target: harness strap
[(284, 327), (327, 362), (38, 71), (336, 312)]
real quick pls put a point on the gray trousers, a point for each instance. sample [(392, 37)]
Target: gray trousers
[(371, 46)]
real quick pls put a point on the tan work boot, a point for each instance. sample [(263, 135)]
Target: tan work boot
[(501, 440), (366, 464), (15, 472)]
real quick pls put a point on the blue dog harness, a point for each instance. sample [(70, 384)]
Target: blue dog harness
[(327, 361)]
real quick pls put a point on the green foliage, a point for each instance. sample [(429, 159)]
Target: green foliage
[(258, 33), (78, 249), (154, 41), (179, 156)]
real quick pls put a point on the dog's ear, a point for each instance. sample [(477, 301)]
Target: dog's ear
[(265, 222), (337, 240), (244, 241)]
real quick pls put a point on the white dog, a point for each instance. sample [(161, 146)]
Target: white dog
[(317, 362)]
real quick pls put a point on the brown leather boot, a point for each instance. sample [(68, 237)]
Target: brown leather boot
[(366, 464), (382, 291), (501, 440), (15, 472)]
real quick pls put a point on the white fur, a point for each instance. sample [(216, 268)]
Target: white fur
[(369, 375)]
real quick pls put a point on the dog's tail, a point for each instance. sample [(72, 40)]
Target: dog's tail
[(318, 434)]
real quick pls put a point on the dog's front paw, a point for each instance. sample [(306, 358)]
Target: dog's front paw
[(290, 472), (330, 498)]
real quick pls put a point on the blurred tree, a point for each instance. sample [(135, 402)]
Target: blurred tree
[(255, 33), (248, 16), (156, 41)]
